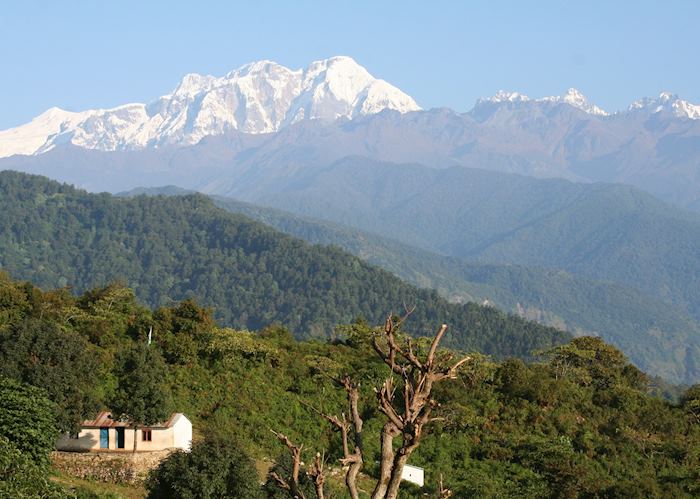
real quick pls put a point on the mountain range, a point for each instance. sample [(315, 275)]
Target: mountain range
[(260, 97), (264, 97), (200, 137)]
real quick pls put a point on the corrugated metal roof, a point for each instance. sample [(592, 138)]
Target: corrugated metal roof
[(104, 420)]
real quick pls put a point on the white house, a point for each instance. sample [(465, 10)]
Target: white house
[(106, 434)]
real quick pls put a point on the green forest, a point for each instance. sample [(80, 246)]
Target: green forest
[(173, 248), (658, 337), (579, 421)]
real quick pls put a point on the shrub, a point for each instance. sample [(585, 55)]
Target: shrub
[(213, 468)]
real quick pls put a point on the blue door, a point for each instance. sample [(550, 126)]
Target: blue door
[(104, 438)]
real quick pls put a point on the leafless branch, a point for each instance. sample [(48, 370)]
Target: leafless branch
[(292, 485), (316, 474)]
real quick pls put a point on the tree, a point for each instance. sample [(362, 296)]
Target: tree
[(213, 468), (21, 477), (588, 360), (690, 402), (406, 415), (62, 362), (27, 419), (142, 397)]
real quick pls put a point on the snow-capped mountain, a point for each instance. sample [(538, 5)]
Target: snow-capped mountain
[(261, 97), (667, 102), (504, 96), (572, 97), (576, 99)]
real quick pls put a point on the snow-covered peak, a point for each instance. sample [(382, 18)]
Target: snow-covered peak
[(259, 97), (29, 138), (341, 76), (193, 84), (576, 99), (572, 97), (505, 96), (259, 67), (667, 102)]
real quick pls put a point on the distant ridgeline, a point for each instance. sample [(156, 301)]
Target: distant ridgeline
[(172, 248)]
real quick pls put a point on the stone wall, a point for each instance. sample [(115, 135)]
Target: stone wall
[(111, 467)]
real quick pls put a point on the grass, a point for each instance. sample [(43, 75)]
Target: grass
[(93, 489)]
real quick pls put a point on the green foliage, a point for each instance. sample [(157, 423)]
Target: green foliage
[(27, 419), (579, 423), (143, 394), (62, 362), (228, 346), (659, 337), (212, 469), (589, 360), (176, 248), (690, 401), (65, 344), (21, 477)]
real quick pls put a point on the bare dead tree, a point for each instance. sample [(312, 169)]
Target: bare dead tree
[(292, 483), (352, 460), (418, 377), (316, 474), (405, 417)]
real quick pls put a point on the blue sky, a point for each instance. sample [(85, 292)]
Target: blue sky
[(80, 55)]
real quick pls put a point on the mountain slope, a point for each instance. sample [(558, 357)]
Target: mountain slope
[(176, 247), (658, 337), (599, 231), (462, 212)]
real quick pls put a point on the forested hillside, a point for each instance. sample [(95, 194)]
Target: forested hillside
[(170, 249), (598, 231), (658, 337), (578, 424)]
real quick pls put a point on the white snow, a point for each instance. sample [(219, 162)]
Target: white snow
[(572, 97), (666, 101), (259, 97), (576, 99), (505, 96)]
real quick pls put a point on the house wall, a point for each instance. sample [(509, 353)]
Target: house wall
[(161, 438), (182, 433), (87, 440)]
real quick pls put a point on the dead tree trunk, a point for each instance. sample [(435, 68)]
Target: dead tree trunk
[(292, 483), (409, 417), (317, 476), (353, 460), (443, 492), (389, 432)]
